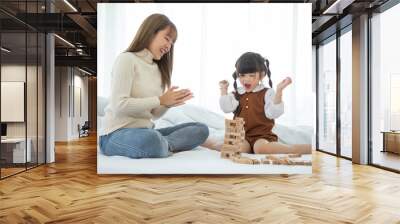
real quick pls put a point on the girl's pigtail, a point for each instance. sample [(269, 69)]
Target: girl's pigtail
[(268, 72), (235, 93), (234, 75)]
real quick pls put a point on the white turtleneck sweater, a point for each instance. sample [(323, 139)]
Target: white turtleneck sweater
[(135, 88)]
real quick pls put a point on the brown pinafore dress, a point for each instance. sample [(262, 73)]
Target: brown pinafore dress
[(257, 125)]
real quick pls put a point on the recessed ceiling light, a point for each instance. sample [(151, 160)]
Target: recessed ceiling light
[(84, 71), (64, 40), (5, 49), (70, 5)]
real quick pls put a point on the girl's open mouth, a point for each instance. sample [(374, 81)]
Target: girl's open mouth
[(247, 86)]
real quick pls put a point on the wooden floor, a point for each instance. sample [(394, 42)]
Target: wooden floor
[(10, 171), (386, 159), (70, 191)]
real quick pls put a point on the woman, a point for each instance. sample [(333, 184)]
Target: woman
[(139, 79)]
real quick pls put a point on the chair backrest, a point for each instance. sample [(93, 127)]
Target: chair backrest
[(86, 125)]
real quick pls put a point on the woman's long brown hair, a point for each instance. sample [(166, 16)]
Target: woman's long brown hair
[(146, 33)]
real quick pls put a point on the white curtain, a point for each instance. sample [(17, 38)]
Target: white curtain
[(210, 39)]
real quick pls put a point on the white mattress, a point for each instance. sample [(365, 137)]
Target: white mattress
[(198, 161), (203, 160)]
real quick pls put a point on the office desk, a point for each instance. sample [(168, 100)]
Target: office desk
[(13, 150)]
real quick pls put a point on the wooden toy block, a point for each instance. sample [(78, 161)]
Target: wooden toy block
[(238, 119), (237, 139), (256, 161), (307, 163), (229, 154), (242, 160), (276, 162), (234, 123), (234, 127), (289, 162), (225, 155), (271, 157), (231, 141), (229, 148), (234, 135), (303, 163), (265, 161), (294, 155), (284, 161), (298, 162)]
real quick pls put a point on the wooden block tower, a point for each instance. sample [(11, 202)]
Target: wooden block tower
[(234, 137)]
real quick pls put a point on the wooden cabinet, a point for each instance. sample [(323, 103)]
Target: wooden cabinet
[(391, 142)]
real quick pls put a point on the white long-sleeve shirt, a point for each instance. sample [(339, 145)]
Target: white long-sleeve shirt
[(228, 103), (135, 88)]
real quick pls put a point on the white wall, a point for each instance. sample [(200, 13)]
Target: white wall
[(67, 116), (61, 103), (17, 73), (33, 126)]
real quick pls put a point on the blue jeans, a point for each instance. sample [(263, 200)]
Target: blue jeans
[(153, 143)]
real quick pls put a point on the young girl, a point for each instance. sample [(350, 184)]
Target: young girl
[(139, 77), (257, 105)]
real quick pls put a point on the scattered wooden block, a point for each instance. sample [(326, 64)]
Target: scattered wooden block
[(225, 155), (299, 162), (276, 162), (242, 160), (270, 157), (265, 161), (294, 155), (290, 162), (284, 161), (229, 154)]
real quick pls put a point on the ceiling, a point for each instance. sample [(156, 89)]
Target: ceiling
[(76, 22)]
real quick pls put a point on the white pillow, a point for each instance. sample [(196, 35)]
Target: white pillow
[(204, 116), (175, 115), (293, 135), (162, 123), (216, 125), (191, 113)]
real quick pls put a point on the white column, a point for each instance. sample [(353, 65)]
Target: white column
[(360, 90), (50, 101), (50, 92)]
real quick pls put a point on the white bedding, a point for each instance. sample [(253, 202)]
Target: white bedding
[(216, 125), (198, 161), (202, 160)]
